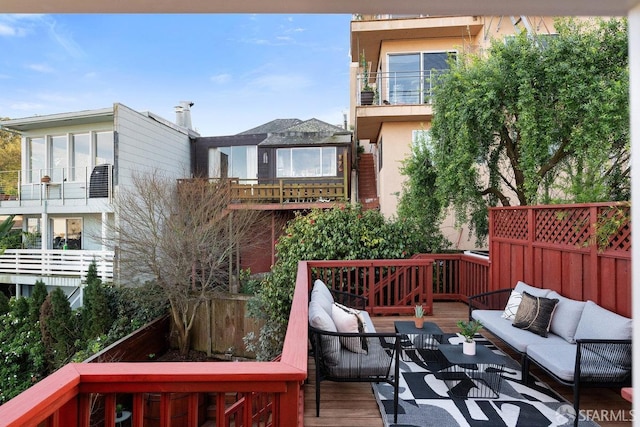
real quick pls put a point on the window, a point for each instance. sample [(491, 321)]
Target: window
[(413, 75), (242, 161), (67, 233), (58, 157), (104, 148), (306, 162), (81, 156), (37, 163), (33, 238)]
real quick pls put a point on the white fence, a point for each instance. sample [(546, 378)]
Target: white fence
[(54, 262)]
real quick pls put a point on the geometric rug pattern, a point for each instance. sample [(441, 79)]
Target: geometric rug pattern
[(425, 399)]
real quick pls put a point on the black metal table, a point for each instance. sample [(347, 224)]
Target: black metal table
[(472, 376), (426, 338)]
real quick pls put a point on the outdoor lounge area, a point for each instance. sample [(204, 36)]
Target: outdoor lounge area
[(354, 404), (282, 392)]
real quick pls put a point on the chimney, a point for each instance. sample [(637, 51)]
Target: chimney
[(183, 114)]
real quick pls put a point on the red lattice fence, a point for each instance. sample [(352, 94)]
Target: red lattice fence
[(582, 251)]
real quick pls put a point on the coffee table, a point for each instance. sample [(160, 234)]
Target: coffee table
[(472, 376), (426, 338)]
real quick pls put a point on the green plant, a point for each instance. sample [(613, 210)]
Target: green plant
[(608, 224), (344, 232), (469, 329), (419, 311), (365, 74)]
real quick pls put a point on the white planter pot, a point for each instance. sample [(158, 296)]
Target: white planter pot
[(469, 348)]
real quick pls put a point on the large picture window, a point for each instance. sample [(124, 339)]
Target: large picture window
[(306, 162), (413, 75), (242, 161)]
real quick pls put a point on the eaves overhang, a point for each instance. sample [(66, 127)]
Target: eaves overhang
[(26, 124)]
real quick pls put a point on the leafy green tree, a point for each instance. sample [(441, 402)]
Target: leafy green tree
[(5, 232), (4, 304), (21, 351), (536, 119), (58, 327), (340, 233), (416, 202), (96, 316), (38, 296)]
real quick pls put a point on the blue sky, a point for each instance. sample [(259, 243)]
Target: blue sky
[(239, 70)]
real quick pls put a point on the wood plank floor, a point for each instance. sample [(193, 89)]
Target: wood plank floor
[(353, 404)]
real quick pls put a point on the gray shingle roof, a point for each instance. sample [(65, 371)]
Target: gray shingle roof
[(276, 125)]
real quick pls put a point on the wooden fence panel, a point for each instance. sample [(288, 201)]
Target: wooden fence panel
[(583, 251)]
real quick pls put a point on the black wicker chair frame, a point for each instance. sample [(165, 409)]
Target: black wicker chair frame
[(375, 366)]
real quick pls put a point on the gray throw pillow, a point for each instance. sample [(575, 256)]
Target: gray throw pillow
[(535, 313)]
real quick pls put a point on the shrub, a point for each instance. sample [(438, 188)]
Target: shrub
[(341, 233)]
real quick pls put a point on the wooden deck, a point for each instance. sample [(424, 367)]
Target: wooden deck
[(353, 404)]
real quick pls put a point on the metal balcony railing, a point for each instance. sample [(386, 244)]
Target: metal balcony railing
[(398, 88), (57, 184)]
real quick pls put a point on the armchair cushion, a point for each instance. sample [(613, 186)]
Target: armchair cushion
[(322, 295), (599, 323)]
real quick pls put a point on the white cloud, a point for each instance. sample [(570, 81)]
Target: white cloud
[(26, 106), (280, 82), (41, 68), (6, 30), (221, 78)]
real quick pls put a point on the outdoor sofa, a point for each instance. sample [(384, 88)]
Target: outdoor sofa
[(345, 344), (580, 344)]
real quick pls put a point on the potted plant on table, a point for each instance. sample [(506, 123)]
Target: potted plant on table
[(468, 331), (119, 409), (419, 316)]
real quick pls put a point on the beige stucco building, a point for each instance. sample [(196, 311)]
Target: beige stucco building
[(403, 56)]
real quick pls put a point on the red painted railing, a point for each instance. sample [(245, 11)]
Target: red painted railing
[(267, 391), (262, 393)]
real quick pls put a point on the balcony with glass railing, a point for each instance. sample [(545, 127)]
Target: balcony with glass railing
[(398, 88), (33, 186)]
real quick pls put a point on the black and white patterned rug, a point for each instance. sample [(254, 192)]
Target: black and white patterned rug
[(425, 400)]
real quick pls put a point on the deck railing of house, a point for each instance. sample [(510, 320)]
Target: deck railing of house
[(289, 190), (56, 262), (400, 88), (56, 184), (265, 393)]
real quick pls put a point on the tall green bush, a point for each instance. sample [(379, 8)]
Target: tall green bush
[(96, 316), (59, 329), (21, 350), (341, 233)]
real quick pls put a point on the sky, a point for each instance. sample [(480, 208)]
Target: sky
[(239, 70)]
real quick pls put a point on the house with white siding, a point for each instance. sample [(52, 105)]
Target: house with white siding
[(72, 166)]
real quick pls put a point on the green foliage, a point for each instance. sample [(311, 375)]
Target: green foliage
[(538, 119), (419, 204), (9, 162), (22, 360), (134, 307), (58, 328), (38, 296), (341, 233), (5, 232), (4, 304), (469, 329), (96, 315)]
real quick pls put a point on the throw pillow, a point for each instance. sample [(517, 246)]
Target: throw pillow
[(535, 313), (531, 290), (512, 305), (347, 321)]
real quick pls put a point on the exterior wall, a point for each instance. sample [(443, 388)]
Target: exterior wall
[(144, 144)]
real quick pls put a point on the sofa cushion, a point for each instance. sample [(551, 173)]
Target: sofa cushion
[(535, 313), (322, 295), (566, 317), (519, 339), (348, 320), (512, 305), (599, 323), (560, 359), (536, 292), (376, 363)]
